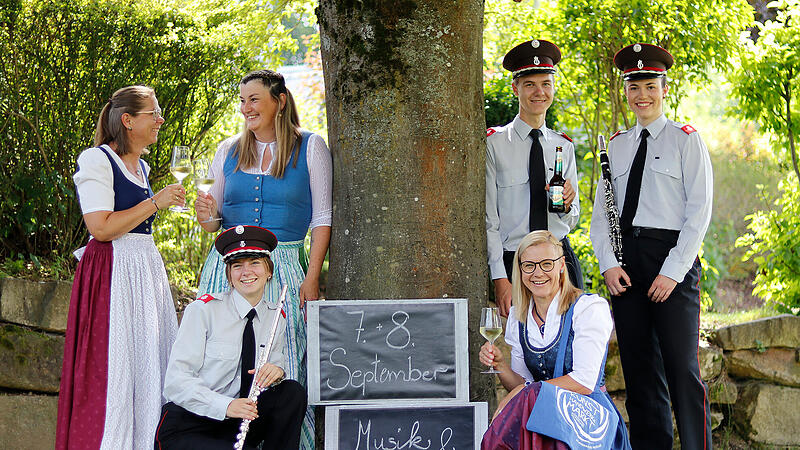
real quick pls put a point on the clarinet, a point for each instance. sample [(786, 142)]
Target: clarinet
[(612, 212), (263, 358)]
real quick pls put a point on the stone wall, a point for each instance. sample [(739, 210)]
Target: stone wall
[(33, 318), (752, 370)]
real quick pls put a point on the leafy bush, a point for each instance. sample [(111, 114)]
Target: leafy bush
[(60, 62), (774, 245)]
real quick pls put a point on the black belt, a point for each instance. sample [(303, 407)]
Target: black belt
[(653, 233)]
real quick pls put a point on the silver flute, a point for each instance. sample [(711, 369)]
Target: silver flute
[(263, 358), (612, 212)]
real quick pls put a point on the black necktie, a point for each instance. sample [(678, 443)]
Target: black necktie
[(537, 182), (248, 354), (634, 184)]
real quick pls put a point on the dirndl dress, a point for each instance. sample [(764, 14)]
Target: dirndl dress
[(509, 430), (286, 211), (120, 327)]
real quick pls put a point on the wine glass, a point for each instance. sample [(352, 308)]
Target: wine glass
[(181, 167), (491, 329), (203, 183)]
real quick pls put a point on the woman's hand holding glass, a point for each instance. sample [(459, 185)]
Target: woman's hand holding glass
[(180, 168), (205, 206), (491, 329), (171, 195)]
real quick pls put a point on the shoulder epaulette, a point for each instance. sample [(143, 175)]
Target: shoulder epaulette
[(564, 135), (490, 131), (688, 129), (205, 298), (616, 134)]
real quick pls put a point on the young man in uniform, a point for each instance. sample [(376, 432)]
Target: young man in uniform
[(663, 182), (520, 160), (211, 367)]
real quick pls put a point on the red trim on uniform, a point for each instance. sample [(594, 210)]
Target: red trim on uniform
[(644, 69), (283, 313), (161, 422), (564, 135), (615, 135), (533, 65), (688, 129), (705, 392), (205, 298), (490, 131)]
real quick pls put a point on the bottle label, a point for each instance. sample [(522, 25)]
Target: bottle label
[(557, 195), (558, 162)]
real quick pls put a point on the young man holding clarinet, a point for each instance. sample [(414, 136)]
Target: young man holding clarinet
[(210, 386), (662, 178)]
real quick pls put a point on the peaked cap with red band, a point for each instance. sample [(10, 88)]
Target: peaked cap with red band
[(534, 56), (640, 61), (245, 241)]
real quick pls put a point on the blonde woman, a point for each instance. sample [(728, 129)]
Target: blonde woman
[(277, 176), (543, 300)]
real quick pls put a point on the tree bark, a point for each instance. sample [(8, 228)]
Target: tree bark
[(404, 98)]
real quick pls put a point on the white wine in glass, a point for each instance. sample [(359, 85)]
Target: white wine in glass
[(491, 329), (203, 183), (180, 168)]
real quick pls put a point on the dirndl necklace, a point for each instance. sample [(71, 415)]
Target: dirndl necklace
[(541, 327)]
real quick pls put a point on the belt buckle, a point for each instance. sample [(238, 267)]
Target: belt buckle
[(636, 231)]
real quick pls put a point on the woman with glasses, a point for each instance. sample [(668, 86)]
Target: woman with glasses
[(543, 297), (121, 321), (278, 176)]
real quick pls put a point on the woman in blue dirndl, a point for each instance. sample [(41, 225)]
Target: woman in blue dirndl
[(277, 176), (550, 322)]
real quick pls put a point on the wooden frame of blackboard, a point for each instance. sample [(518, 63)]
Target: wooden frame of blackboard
[(332, 414), (461, 356)]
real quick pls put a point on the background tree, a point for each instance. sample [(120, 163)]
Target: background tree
[(765, 86), (405, 118)]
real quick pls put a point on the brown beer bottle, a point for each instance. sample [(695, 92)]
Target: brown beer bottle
[(556, 198)]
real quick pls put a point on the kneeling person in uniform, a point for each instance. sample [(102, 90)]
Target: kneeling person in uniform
[(211, 366)]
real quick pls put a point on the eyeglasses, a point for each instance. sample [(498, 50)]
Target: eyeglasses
[(546, 264), (155, 112)]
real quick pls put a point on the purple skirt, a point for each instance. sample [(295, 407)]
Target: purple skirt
[(507, 430)]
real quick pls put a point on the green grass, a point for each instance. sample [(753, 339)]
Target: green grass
[(713, 320)]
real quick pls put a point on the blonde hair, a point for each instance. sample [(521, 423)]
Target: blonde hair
[(287, 126), (521, 295), (128, 100)]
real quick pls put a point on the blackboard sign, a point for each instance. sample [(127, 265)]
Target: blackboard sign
[(368, 351), (442, 426)]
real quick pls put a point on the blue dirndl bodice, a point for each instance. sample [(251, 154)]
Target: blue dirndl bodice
[(128, 194), (282, 205)]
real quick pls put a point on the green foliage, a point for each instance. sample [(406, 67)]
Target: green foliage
[(501, 105), (774, 245), (60, 62), (767, 79)]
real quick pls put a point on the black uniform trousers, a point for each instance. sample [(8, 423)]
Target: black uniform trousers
[(281, 410), (573, 265), (658, 344)]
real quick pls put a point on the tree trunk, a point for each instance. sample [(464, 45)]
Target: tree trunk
[(403, 85)]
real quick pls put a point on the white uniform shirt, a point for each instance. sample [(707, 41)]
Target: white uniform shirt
[(591, 322), (204, 370), (508, 196), (320, 174), (676, 194), (94, 179)]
